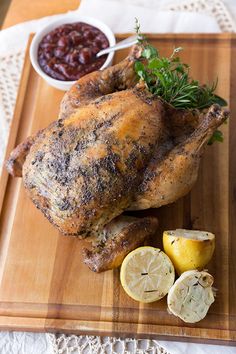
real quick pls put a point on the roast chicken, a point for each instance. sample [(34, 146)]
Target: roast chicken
[(114, 147)]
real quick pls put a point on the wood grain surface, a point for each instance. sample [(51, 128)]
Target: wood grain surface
[(25, 10), (44, 284)]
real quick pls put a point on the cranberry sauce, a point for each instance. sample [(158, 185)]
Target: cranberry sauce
[(69, 51)]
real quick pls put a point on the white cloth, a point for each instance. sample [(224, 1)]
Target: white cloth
[(154, 16), (24, 343), (121, 18)]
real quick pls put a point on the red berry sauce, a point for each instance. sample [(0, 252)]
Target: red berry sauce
[(69, 51)]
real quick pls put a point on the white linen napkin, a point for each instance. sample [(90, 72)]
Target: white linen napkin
[(120, 17)]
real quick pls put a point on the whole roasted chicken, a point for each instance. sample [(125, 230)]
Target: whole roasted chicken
[(115, 146)]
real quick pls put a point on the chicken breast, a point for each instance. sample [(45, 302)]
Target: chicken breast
[(83, 171)]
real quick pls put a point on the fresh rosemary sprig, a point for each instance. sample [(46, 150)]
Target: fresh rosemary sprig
[(169, 79)]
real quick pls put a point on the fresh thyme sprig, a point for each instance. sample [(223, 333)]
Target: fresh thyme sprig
[(169, 78)]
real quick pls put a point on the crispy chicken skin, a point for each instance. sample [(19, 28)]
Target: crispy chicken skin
[(111, 151), (83, 171), (122, 235), (90, 87), (99, 83), (172, 172)]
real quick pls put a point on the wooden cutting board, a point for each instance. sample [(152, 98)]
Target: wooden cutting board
[(44, 284)]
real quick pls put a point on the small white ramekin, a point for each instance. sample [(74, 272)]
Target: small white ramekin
[(70, 18)]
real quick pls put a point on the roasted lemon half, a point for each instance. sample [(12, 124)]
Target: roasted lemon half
[(147, 274), (188, 249)]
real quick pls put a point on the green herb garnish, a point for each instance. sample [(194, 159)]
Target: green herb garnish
[(169, 79), (217, 136)]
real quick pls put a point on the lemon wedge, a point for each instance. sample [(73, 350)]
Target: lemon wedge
[(191, 296), (147, 274), (188, 249)]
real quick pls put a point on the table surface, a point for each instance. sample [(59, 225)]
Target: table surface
[(24, 10)]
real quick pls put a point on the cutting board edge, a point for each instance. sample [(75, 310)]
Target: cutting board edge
[(102, 328), (4, 176), (188, 36)]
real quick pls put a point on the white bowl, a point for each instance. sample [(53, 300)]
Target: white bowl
[(70, 18)]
